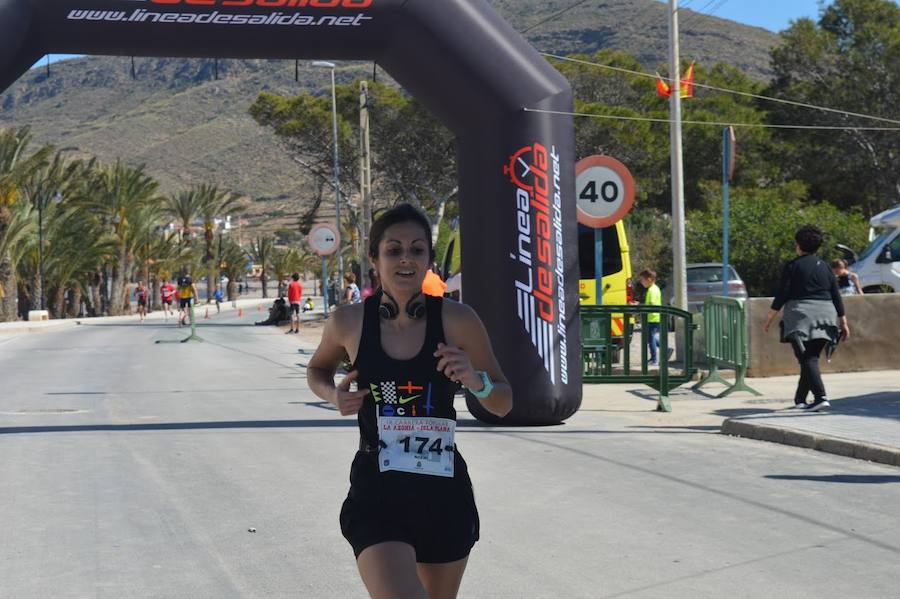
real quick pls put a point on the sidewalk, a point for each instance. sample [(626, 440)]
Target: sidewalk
[(863, 422), (256, 308)]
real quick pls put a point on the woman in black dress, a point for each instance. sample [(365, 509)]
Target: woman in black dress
[(410, 514), (813, 317)]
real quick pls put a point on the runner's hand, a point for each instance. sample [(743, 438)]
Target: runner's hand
[(456, 366), (348, 402)]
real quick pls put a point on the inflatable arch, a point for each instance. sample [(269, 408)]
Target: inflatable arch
[(471, 70)]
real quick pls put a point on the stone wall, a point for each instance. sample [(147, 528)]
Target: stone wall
[(874, 338)]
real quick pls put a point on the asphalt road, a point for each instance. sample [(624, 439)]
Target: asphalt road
[(135, 469)]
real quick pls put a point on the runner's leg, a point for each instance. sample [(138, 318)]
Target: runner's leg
[(442, 581), (389, 571)]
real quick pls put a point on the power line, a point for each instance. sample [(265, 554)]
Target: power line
[(551, 17), (715, 123), (700, 15), (675, 83)]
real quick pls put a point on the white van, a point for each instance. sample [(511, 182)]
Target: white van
[(878, 266)]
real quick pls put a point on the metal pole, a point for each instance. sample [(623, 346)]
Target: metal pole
[(598, 266), (726, 167), (337, 174), (679, 270), (365, 172), (325, 285), (41, 250)]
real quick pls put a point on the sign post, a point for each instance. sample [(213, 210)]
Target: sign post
[(324, 239), (729, 149), (605, 194)]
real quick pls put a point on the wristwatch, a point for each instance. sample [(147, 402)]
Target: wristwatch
[(488, 385)]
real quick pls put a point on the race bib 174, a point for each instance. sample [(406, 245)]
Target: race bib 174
[(417, 445)]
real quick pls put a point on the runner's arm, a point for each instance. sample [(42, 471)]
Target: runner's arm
[(323, 365), (470, 350)]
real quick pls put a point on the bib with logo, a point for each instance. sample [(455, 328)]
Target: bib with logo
[(409, 414)]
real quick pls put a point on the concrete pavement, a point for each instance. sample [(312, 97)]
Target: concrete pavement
[(863, 421), (136, 469)]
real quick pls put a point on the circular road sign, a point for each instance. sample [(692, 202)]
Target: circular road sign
[(324, 239), (604, 191)]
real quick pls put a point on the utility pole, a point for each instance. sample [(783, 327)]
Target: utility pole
[(365, 174), (679, 269)]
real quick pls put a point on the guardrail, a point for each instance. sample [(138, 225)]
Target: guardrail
[(725, 330), (601, 349)]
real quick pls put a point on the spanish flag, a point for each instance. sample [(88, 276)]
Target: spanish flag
[(664, 90)]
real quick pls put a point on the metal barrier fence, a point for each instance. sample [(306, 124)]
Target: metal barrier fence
[(725, 330), (601, 349)]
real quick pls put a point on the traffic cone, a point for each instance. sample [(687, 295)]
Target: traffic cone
[(241, 313)]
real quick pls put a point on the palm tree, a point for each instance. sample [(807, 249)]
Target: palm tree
[(233, 262), (77, 248), (284, 262), (15, 167), (119, 195), (261, 250), (58, 179), (184, 206), (213, 204)]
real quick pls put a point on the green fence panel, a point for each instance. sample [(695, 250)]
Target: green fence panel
[(725, 329), (600, 348)]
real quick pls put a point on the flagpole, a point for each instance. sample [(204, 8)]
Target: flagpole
[(679, 258)]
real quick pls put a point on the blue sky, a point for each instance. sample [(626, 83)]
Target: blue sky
[(774, 15)]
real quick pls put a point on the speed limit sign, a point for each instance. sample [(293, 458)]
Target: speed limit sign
[(604, 191)]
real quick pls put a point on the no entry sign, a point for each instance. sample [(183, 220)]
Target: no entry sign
[(324, 239), (604, 191)]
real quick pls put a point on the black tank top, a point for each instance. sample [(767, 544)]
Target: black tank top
[(412, 387)]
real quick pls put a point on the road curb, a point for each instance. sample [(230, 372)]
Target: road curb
[(850, 448), (36, 328)]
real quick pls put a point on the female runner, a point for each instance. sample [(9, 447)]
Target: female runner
[(410, 514)]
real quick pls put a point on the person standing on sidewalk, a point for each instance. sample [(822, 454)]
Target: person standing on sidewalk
[(813, 319), (351, 292), (295, 298), (652, 297)]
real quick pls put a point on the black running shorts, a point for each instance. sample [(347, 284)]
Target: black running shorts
[(295, 309), (436, 515), (185, 303)]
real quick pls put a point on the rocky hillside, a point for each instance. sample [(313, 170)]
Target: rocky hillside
[(186, 125)]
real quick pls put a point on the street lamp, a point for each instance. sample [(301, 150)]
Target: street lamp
[(337, 167)]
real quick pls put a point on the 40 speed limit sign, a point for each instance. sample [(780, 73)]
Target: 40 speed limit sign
[(604, 191)]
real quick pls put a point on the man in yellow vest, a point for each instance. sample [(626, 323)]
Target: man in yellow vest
[(653, 297)]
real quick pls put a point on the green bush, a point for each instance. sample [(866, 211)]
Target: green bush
[(763, 223)]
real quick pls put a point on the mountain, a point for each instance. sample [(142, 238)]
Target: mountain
[(187, 125)]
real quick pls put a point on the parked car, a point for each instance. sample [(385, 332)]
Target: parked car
[(705, 280), (878, 266)]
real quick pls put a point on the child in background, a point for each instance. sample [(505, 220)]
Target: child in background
[(848, 282)]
